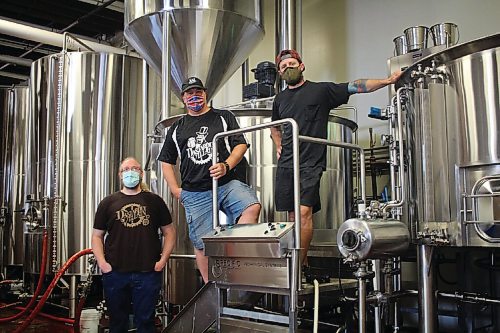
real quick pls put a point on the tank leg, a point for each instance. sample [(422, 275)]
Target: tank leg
[(427, 314)]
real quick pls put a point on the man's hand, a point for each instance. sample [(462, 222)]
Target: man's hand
[(278, 151), (177, 192), (218, 170), (105, 267), (394, 77), (160, 265)]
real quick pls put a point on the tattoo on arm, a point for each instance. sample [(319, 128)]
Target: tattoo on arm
[(358, 86)]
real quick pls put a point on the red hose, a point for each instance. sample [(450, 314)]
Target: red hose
[(45, 315), (40, 281), (51, 286)]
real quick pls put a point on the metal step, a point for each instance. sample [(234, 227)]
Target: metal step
[(198, 314), (233, 325)]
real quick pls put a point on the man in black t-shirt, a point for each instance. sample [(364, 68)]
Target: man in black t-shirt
[(309, 104), (132, 256), (190, 140)]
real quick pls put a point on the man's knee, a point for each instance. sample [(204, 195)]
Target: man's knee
[(306, 220), (255, 208), (252, 211)]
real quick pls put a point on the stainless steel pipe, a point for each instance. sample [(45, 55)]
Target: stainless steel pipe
[(399, 203), (427, 307), (295, 279), (346, 146)]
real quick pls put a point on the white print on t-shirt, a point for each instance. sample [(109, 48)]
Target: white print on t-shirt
[(199, 150), (133, 215)]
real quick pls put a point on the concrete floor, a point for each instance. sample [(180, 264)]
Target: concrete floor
[(38, 326), (44, 325)]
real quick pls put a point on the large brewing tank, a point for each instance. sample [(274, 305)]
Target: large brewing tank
[(89, 112), (209, 39), (336, 183), (454, 121), (14, 107)]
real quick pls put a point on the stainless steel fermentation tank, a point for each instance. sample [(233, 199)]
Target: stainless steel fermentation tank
[(89, 111), (209, 39), (453, 120), (14, 108), (336, 183), (336, 188)]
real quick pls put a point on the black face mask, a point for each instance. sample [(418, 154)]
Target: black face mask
[(292, 75)]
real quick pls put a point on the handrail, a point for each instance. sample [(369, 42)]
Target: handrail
[(296, 274), (346, 146)]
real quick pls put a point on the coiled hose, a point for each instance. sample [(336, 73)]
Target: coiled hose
[(50, 288)]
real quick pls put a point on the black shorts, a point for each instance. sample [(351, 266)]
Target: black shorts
[(309, 188)]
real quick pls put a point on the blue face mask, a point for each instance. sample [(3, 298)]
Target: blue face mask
[(195, 103), (131, 178)]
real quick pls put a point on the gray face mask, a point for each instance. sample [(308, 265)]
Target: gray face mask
[(292, 75)]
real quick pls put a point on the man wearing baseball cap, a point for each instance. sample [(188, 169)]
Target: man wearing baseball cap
[(190, 139), (309, 104)]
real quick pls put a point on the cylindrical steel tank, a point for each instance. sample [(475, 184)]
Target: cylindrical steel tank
[(209, 39), (372, 239), (14, 108), (336, 190), (336, 183), (87, 115), (454, 115)]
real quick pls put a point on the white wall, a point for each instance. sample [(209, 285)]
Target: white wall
[(344, 40), (372, 25)]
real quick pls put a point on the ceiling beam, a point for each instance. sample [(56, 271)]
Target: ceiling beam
[(14, 75)]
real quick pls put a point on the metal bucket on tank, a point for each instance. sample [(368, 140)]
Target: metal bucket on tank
[(445, 34), (14, 106), (87, 115), (400, 45), (416, 37)]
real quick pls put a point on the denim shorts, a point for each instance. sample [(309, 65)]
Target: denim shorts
[(233, 198)]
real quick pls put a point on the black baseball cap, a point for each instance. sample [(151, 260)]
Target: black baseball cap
[(192, 82)]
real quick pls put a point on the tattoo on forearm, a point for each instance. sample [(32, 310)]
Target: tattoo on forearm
[(358, 86)]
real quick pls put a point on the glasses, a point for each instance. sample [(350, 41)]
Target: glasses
[(134, 168)]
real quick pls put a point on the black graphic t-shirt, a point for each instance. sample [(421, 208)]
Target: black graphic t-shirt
[(132, 221), (309, 105), (191, 139)]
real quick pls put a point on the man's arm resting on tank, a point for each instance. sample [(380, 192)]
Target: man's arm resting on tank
[(368, 85)]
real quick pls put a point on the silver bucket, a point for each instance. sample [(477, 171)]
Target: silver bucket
[(400, 45), (445, 34), (416, 38)]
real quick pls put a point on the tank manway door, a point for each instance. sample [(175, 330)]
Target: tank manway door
[(250, 254)]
